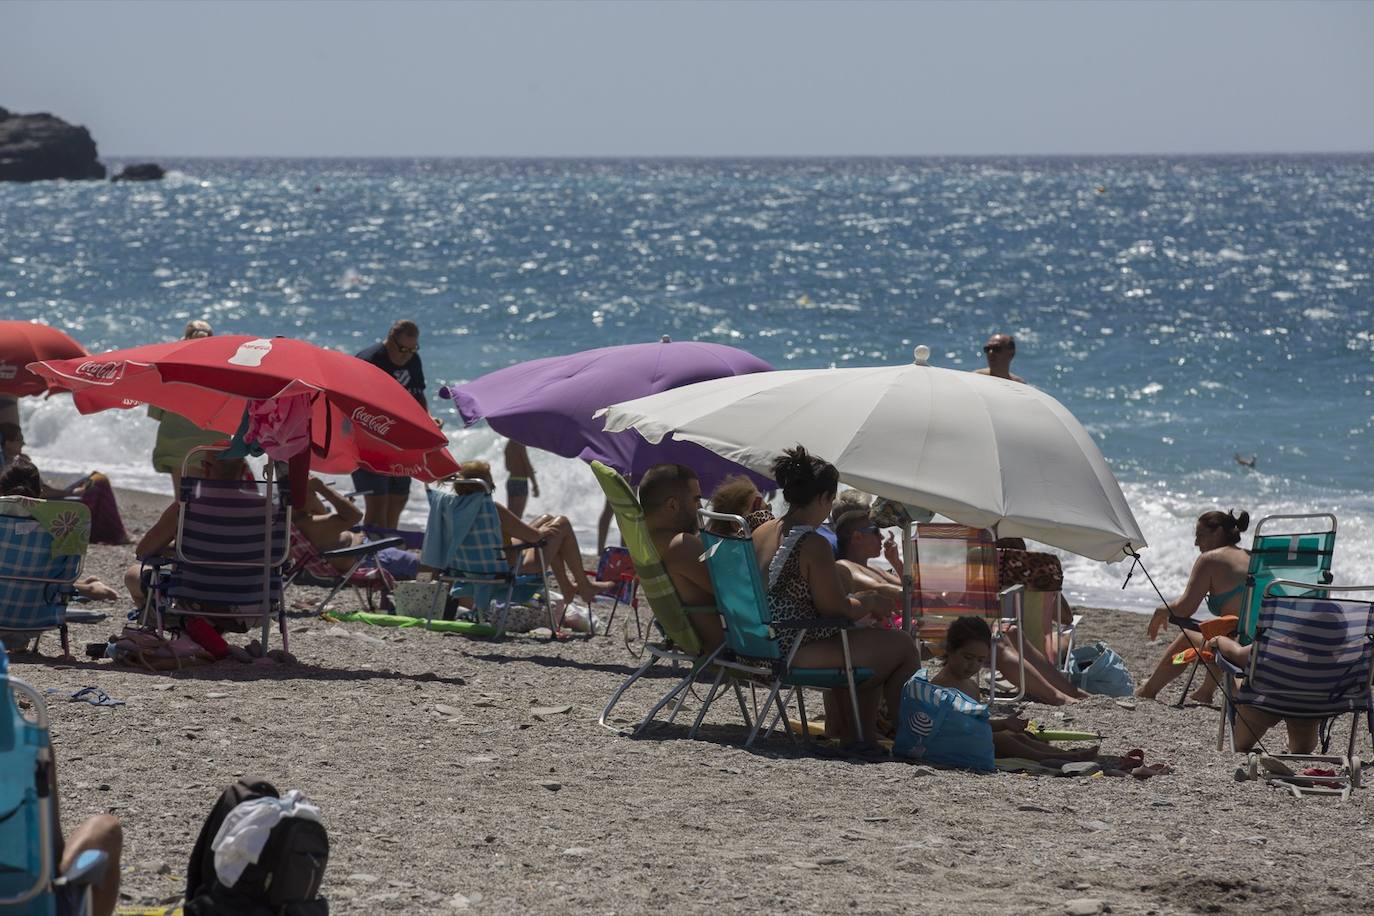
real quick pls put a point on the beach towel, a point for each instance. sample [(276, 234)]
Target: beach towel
[(107, 525), (451, 517), (944, 726)]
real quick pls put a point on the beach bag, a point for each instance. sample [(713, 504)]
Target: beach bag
[(417, 599), (284, 881), (943, 726), (1098, 669)]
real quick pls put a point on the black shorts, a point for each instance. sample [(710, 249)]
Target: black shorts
[(367, 482)]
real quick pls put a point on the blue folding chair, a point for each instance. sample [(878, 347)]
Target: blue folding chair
[(1311, 658), (42, 546), (751, 634), (463, 540), (29, 883)]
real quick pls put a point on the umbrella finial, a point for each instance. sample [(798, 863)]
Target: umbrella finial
[(665, 339), (922, 354)]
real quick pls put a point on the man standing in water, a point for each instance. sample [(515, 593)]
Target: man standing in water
[(1000, 351), (399, 357), (520, 479)]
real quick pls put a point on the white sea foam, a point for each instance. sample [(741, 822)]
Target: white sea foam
[(120, 443)]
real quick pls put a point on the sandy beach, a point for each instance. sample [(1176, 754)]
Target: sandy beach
[(442, 790)]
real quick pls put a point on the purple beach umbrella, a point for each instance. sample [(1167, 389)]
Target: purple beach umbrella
[(548, 403)]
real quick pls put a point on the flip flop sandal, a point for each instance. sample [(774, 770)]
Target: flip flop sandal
[(1153, 769)]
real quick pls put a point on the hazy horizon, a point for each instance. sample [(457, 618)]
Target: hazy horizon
[(599, 80)]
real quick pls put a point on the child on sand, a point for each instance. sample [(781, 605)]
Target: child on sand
[(966, 655)]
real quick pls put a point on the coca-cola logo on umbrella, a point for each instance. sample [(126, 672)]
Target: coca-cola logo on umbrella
[(377, 423), (101, 371)]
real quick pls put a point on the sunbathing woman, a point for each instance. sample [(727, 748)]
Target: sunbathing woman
[(1218, 577), (560, 548), (966, 655), (804, 582)]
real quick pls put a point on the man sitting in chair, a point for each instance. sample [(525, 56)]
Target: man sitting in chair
[(670, 495)]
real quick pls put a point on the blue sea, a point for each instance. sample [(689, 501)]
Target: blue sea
[(1185, 309)]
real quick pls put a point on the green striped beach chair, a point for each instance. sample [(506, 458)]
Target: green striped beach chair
[(42, 546), (681, 644)]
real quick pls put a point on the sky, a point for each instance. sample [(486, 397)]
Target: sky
[(653, 78)]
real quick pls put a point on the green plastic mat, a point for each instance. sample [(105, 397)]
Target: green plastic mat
[(464, 627)]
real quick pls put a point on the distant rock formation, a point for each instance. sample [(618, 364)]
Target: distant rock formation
[(142, 171), (40, 147)]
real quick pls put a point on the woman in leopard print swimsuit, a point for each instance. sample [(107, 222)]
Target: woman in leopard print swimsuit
[(804, 582)]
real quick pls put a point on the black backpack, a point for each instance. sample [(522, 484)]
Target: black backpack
[(285, 881)]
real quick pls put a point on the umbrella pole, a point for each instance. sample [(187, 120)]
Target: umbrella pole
[(907, 557), (267, 554)]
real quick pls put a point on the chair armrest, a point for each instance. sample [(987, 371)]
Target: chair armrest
[(362, 550), (157, 561), (525, 545), (1224, 663), (1185, 623), (88, 869)]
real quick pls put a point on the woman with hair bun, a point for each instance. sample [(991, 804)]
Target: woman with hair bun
[(1218, 577), (803, 581)]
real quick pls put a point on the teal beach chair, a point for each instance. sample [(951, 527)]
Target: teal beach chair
[(756, 651), (1299, 560), (29, 884)]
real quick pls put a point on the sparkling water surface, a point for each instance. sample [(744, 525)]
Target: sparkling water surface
[(1185, 309)]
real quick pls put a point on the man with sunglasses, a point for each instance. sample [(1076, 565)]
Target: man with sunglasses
[(399, 357), (1000, 351)]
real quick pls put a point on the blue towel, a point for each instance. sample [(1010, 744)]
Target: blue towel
[(451, 516)]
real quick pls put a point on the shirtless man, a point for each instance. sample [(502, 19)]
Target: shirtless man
[(1000, 351), (670, 495), (520, 479)]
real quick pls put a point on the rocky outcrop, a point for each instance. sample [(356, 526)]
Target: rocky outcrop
[(142, 171), (41, 147)]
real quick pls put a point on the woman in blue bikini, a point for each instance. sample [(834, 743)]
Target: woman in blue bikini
[(1218, 577)]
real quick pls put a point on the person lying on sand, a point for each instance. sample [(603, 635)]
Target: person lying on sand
[(966, 655), (1217, 577), (670, 494), (560, 548)]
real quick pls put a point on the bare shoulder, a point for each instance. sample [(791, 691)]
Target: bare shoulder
[(982, 371)]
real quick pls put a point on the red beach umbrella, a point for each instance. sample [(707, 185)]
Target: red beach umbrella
[(360, 416), (23, 342)]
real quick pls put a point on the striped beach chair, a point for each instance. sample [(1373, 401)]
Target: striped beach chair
[(463, 540), (232, 545), (42, 546), (1312, 658), (680, 644), (29, 883)]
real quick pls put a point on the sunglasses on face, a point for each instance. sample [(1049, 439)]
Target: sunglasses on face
[(998, 348), (402, 348)]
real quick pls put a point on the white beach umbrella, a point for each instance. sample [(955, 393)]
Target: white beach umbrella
[(979, 450)]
